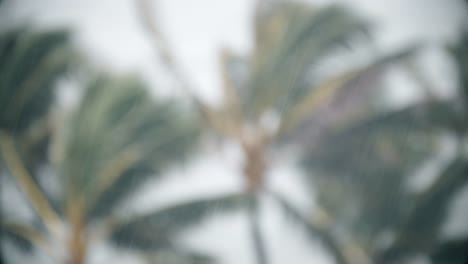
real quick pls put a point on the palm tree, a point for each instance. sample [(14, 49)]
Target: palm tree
[(30, 65), (277, 82), (362, 172), (421, 230), (117, 137)]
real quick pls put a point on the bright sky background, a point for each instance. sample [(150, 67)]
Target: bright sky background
[(109, 32)]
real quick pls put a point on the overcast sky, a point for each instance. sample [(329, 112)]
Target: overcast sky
[(109, 32)]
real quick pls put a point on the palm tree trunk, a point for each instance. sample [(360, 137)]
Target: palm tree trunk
[(256, 233), (77, 245), (78, 239), (254, 171)]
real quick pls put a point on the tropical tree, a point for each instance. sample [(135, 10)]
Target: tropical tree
[(420, 233), (269, 95), (362, 171), (274, 99), (30, 64), (117, 137)]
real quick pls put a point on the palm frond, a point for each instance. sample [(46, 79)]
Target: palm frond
[(30, 64), (179, 256), (24, 236), (305, 38), (340, 99), (259, 241), (22, 242), (420, 231), (390, 140), (117, 137), (156, 229), (362, 170), (451, 252), (313, 231), (460, 54), (37, 198)]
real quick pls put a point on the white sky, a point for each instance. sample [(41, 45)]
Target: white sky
[(110, 34)]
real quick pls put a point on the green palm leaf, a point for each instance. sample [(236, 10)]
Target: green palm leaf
[(336, 102), (180, 256), (451, 252), (30, 64), (303, 39), (18, 240), (156, 229), (23, 236), (118, 137), (383, 138), (420, 231), (460, 55), (312, 230), (362, 170)]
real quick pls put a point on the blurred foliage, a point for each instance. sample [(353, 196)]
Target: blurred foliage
[(323, 117), (358, 157), (116, 138), (329, 119), (30, 63), (460, 54), (179, 257), (290, 40), (362, 170), (455, 250), (155, 229), (451, 252), (279, 81)]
